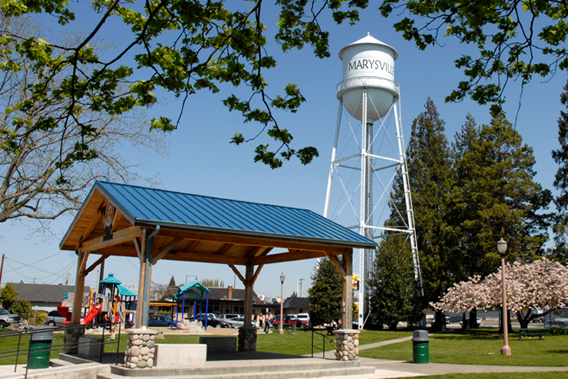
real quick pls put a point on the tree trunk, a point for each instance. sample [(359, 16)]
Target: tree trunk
[(439, 321), (473, 319), (464, 323)]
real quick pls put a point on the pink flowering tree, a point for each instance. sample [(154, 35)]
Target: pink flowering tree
[(541, 285)]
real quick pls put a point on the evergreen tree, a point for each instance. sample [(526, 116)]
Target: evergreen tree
[(560, 156), (494, 196), (325, 294), (393, 292), (429, 168), (172, 282)]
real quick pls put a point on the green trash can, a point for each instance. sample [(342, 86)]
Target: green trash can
[(420, 346), (40, 347)]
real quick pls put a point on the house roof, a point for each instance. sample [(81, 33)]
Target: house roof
[(203, 229), (297, 303), (43, 293)]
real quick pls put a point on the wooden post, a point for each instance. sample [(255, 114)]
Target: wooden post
[(249, 281), (79, 286), (142, 274), (347, 290)]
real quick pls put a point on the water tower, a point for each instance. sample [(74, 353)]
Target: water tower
[(370, 95)]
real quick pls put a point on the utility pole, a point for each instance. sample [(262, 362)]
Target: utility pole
[(2, 268)]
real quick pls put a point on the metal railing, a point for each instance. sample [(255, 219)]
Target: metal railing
[(325, 334), (30, 350)]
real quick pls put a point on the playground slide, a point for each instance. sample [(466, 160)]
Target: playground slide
[(92, 314), (64, 311)]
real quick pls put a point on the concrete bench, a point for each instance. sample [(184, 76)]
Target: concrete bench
[(216, 344), (178, 355), (90, 348)]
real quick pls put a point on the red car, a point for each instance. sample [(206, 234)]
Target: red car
[(289, 321)]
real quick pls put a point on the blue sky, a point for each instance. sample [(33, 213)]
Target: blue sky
[(200, 159)]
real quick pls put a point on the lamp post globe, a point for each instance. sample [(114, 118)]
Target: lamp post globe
[(502, 248), (280, 329)]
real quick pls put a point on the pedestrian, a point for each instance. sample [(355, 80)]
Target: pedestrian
[(267, 322)]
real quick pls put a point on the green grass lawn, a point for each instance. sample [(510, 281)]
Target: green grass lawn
[(482, 350), (502, 375)]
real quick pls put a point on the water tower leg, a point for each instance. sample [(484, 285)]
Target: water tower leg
[(333, 158)]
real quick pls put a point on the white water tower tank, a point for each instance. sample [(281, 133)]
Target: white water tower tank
[(368, 63)]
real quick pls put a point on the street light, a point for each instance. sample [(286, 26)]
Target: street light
[(282, 277), (502, 248)]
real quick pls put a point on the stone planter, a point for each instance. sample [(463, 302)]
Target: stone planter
[(247, 338), (140, 348), (346, 344)]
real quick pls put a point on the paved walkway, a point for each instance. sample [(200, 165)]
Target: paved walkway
[(402, 369)]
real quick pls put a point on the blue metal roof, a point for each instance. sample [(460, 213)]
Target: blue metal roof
[(150, 206)]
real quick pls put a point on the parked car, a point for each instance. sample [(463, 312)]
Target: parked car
[(230, 316), (289, 320), (215, 322), (236, 322), (7, 318), (54, 319), (303, 320), (161, 320)]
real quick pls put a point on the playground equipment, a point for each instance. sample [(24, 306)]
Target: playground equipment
[(192, 291)]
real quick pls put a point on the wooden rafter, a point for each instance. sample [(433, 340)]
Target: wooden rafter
[(338, 265), (255, 276), (115, 220), (238, 273), (120, 236), (170, 246), (225, 249), (97, 262), (92, 225), (287, 257)]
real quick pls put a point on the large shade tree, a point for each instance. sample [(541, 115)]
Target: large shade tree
[(185, 46), (38, 181)]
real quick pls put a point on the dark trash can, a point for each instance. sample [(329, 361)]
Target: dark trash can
[(40, 347), (420, 346)]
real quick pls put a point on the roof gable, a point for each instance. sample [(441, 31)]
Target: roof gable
[(149, 207)]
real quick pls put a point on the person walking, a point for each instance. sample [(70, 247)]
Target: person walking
[(267, 322)]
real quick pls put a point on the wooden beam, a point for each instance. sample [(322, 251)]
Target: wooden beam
[(238, 273), (118, 237), (83, 262), (97, 262), (79, 287), (287, 257), (225, 249), (170, 246), (141, 275), (92, 225), (256, 241), (115, 220), (256, 274), (137, 247), (248, 296), (338, 266)]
